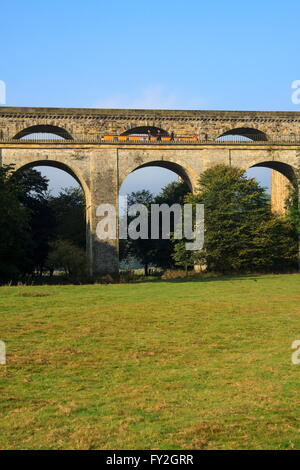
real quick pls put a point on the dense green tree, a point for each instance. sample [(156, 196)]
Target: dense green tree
[(15, 230), (273, 247), (32, 219), (173, 193), (33, 183), (35, 198), (68, 209), (241, 233), (140, 249), (184, 258), (292, 203), (154, 252), (69, 257)]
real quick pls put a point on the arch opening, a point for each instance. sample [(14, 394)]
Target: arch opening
[(55, 199), (145, 131), (282, 168), (62, 167), (155, 182), (278, 177), (43, 132), (242, 134), (171, 167)]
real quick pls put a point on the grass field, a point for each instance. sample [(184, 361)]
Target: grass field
[(158, 365)]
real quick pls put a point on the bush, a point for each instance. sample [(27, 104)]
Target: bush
[(176, 274), (181, 274), (128, 276), (69, 257), (105, 279)]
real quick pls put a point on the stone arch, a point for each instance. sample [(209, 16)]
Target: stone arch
[(283, 174), (44, 129), (178, 169), (186, 174), (85, 186), (78, 176), (75, 173), (248, 132), (143, 130), (285, 169)]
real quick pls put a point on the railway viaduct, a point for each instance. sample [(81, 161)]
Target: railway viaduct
[(73, 140)]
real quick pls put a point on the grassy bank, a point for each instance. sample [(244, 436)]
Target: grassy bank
[(170, 364)]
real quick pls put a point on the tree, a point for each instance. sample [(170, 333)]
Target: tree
[(183, 257), (155, 252), (141, 249), (15, 231), (237, 214), (29, 209), (272, 248), (292, 203), (35, 198), (173, 193), (50, 217), (71, 258), (68, 209), (33, 183)]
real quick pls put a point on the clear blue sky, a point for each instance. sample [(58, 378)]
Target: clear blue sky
[(170, 54)]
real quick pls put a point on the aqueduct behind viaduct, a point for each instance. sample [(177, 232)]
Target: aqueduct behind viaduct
[(101, 165)]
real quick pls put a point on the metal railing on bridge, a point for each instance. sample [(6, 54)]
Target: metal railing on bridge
[(43, 138)]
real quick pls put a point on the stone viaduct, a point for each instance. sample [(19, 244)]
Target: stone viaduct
[(85, 143)]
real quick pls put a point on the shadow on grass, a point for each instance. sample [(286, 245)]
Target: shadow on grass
[(225, 277), (62, 281), (231, 278)]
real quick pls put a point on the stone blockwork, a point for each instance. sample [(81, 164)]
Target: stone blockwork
[(101, 168), (280, 191), (94, 123)]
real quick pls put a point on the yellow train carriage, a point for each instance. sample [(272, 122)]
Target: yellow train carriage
[(145, 138)]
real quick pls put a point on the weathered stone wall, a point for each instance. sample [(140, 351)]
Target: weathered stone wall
[(280, 192), (93, 123)]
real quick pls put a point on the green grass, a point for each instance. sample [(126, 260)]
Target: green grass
[(159, 365)]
